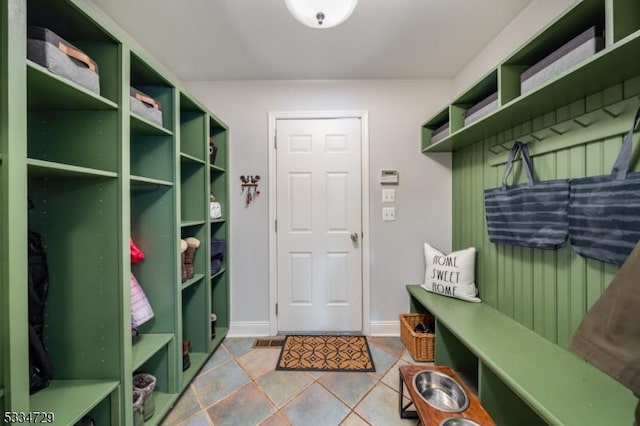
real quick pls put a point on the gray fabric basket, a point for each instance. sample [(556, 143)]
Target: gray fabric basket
[(575, 51), (46, 48), (145, 106), (482, 108), (440, 133)]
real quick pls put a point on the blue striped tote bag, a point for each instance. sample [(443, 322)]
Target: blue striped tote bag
[(532, 214), (604, 211)]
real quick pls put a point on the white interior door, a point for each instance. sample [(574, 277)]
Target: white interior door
[(319, 224)]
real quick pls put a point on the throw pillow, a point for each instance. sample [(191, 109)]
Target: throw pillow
[(451, 275)]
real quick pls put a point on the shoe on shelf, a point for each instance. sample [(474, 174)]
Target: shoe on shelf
[(192, 245), (183, 252), (186, 361)]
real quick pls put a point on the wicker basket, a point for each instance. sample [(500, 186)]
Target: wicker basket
[(420, 345)]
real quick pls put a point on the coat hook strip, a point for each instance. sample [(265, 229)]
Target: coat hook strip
[(610, 113), (580, 123), (494, 152), (506, 148)]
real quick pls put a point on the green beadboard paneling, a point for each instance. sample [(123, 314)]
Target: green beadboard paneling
[(548, 291)]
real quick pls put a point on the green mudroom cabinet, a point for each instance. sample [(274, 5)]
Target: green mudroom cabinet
[(87, 173), (573, 124)]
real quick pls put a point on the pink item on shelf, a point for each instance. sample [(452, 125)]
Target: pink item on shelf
[(141, 310)]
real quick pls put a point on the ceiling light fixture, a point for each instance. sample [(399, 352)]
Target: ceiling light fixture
[(321, 13)]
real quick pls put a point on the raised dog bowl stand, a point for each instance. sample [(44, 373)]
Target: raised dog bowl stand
[(429, 415)]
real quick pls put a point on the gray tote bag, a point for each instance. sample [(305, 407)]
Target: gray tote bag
[(604, 211), (532, 214)]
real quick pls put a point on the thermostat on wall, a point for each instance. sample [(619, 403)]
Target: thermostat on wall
[(388, 177)]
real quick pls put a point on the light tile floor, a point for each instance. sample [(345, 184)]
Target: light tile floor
[(239, 386)]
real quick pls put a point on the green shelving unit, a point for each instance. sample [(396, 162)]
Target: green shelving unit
[(89, 397), (194, 222), (72, 178), (607, 68), (5, 269), (97, 175), (153, 148), (219, 228)]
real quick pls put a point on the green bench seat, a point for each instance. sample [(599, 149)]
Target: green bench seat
[(521, 378)]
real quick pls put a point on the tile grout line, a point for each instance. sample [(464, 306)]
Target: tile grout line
[(279, 411)]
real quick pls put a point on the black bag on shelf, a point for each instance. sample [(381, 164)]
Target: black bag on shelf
[(40, 367), (218, 249), (604, 211), (213, 151), (532, 214)]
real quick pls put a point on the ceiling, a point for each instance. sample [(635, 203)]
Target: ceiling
[(260, 40)]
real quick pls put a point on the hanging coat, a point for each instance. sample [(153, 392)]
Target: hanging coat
[(609, 334)]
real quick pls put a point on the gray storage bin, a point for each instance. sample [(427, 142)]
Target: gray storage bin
[(440, 133), (482, 108), (575, 51), (145, 106), (46, 48)]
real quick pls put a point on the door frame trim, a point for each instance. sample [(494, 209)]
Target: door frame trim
[(363, 115)]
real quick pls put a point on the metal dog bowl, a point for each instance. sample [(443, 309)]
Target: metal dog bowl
[(458, 421), (440, 391)]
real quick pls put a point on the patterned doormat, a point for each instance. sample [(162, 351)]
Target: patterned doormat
[(325, 353)]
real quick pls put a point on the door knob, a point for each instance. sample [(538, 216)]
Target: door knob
[(354, 237)]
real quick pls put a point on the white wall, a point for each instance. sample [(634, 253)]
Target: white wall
[(397, 108), (528, 23)]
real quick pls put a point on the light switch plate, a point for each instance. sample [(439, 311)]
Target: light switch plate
[(388, 214), (388, 195)]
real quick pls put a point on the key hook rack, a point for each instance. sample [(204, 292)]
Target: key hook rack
[(249, 185)]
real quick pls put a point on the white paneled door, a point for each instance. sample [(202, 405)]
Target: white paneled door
[(319, 224)]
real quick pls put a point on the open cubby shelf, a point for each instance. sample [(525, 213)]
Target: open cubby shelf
[(46, 90), (145, 181), (192, 223), (197, 359), (147, 345), (97, 175), (604, 69), (163, 403), (47, 168), (143, 126), (197, 278), (85, 394), (147, 80), (220, 272), (186, 158)]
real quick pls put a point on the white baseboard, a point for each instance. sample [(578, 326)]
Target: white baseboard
[(249, 329), (384, 328), (263, 328)]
